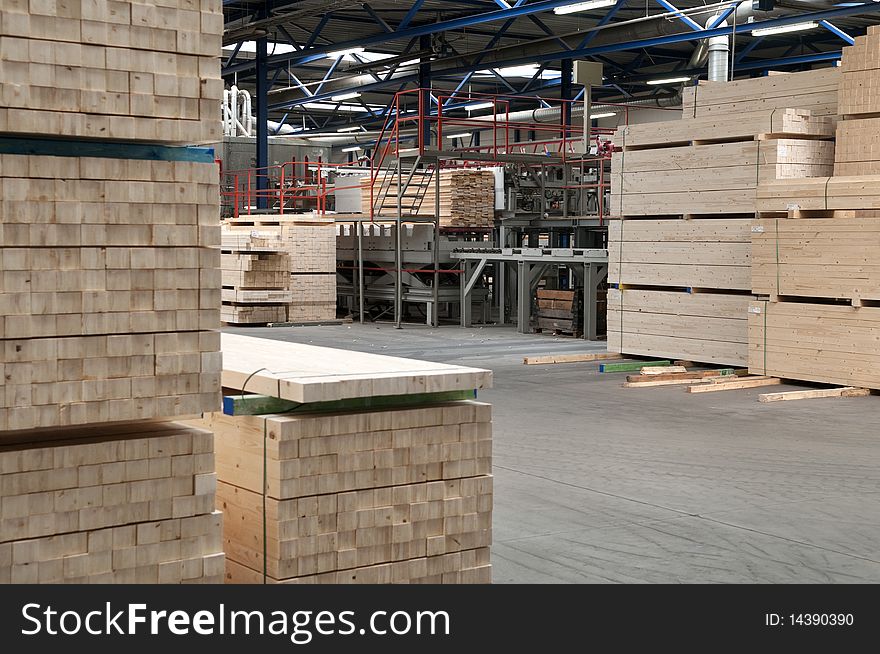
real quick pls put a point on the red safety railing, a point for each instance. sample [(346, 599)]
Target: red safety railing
[(291, 187)]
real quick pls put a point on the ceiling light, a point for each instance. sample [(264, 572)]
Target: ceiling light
[(605, 115), (345, 96), (353, 128), (784, 29), (458, 136), (583, 6), (668, 80), (352, 149), (480, 105), (342, 53)]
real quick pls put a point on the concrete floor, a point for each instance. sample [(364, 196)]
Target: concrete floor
[(596, 483)]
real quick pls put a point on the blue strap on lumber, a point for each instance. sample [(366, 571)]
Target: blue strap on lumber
[(104, 149)]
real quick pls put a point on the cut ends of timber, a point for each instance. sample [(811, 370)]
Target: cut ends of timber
[(572, 358), (725, 384), (846, 391)]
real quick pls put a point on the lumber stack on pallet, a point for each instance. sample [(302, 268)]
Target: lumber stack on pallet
[(814, 90), (128, 70), (815, 247), (559, 311), (309, 241), (256, 280), (346, 492), (685, 192), (467, 197), (123, 503)]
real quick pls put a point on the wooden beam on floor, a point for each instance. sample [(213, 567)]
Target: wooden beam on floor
[(721, 385), (667, 382), (695, 374), (662, 370), (571, 358), (844, 391)]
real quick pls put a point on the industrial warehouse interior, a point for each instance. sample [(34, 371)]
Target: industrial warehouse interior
[(439, 292)]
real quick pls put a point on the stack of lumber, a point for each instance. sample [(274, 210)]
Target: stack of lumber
[(684, 195), (127, 503), (379, 475), (559, 311), (309, 241), (815, 248), (467, 197), (256, 279), (109, 291), (815, 90), (127, 70)]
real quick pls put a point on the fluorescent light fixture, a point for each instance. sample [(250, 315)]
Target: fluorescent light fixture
[(352, 149), (458, 136), (605, 115), (353, 128), (345, 96), (480, 105), (668, 80), (784, 29), (342, 53), (583, 6)]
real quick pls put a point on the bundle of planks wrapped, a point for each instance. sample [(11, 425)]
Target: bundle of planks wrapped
[(684, 195), (815, 247)]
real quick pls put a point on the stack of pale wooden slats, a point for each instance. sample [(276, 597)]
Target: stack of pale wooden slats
[(127, 503), (109, 292), (815, 249), (309, 240), (684, 195), (360, 495), (131, 70), (256, 279), (467, 197)]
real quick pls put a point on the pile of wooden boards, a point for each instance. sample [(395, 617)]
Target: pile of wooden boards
[(559, 311), (109, 291), (374, 478), (129, 70), (467, 196), (123, 503), (815, 249), (309, 241), (684, 196), (256, 279)]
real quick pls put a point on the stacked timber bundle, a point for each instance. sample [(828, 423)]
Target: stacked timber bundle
[(128, 70), (382, 474), (815, 246), (256, 279), (309, 241), (109, 291), (122, 503), (467, 197), (684, 195)]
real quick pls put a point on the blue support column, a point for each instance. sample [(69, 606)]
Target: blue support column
[(565, 92), (425, 83), (262, 118)]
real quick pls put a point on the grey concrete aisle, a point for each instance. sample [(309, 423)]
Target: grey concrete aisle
[(596, 483)]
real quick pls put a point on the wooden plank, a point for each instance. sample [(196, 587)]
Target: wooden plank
[(846, 391), (662, 370), (569, 358), (734, 385), (629, 366), (699, 374), (664, 382), (306, 373)]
